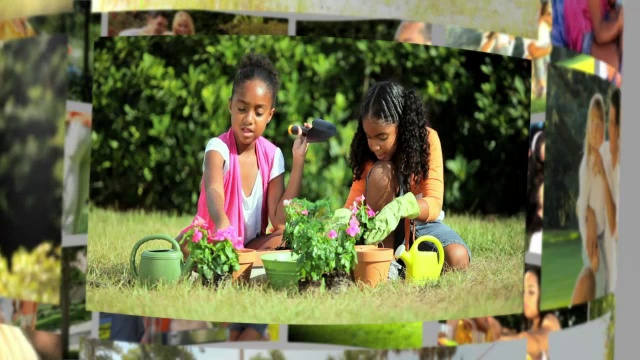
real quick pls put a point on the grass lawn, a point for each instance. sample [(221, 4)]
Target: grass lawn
[(491, 286), (387, 336), (50, 317), (538, 105), (82, 225), (561, 265)]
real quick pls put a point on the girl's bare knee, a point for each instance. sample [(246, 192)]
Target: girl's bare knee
[(456, 256), (382, 184)]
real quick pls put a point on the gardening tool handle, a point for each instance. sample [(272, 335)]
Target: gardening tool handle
[(436, 242), (410, 235), (145, 239)]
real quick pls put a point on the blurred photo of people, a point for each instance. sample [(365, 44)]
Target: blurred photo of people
[(591, 27), (156, 24), (182, 24), (534, 325), (414, 32)]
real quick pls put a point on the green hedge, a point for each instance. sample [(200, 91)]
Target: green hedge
[(33, 92), (157, 100)]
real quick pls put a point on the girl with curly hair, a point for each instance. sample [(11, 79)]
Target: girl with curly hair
[(243, 173), (397, 165)]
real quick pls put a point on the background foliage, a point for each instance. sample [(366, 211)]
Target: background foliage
[(81, 28), (362, 29), (570, 92), (157, 100), (33, 89)]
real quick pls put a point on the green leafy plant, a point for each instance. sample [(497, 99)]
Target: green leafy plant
[(462, 171), (215, 255), (323, 244), (306, 232)]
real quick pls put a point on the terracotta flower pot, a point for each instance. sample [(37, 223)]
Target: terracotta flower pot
[(246, 257), (360, 248), (366, 247), (373, 265)]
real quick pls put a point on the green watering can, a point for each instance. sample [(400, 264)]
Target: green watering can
[(160, 265)]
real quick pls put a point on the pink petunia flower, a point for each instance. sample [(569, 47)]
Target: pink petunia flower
[(370, 212), (354, 227), (197, 236), (199, 222), (354, 208), (304, 212), (332, 234), (353, 230), (238, 243)]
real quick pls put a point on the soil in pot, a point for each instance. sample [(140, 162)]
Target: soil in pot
[(216, 281), (337, 280), (304, 284), (373, 266), (246, 257)]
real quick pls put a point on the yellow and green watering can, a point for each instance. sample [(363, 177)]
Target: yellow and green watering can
[(162, 265), (422, 266)]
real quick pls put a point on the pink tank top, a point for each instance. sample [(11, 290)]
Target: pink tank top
[(578, 21)]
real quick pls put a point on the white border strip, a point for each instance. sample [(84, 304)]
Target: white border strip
[(438, 35), (95, 325), (104, 24), (430, 333), (292, 26), (74, 240), (79, 106), (538, 117), (283, 334), (532, 259)]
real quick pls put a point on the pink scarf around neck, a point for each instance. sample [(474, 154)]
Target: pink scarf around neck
[(232, 184)]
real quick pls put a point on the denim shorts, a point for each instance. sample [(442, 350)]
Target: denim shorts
[(557, 30), (587, 42), (437, 229), (446, 235), (240, 327)]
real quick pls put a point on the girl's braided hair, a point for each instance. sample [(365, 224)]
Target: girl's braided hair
[(390, 103)]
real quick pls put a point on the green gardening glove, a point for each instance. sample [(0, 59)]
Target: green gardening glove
[(386, 221), (341, 217)]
